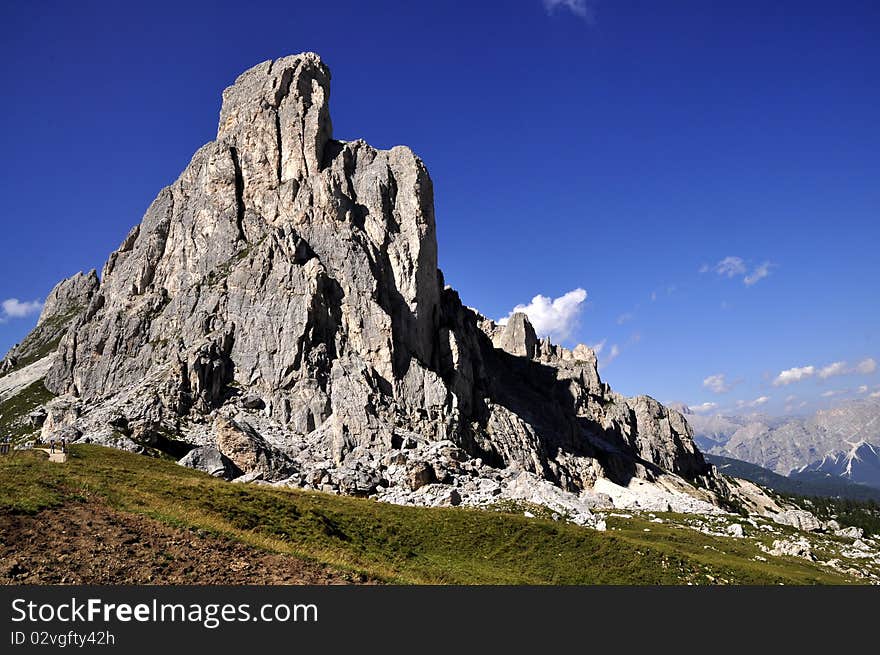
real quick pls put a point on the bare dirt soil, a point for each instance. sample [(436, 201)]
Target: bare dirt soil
[(91, 543)]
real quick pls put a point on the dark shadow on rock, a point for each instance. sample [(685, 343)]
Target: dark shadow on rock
[(534, 392)]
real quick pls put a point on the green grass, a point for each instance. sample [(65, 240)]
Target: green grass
[(730, 560), (28, 484), (396, 544)]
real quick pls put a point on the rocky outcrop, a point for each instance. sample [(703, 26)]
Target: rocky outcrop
[(281, 302), (800, 519), (211, 461), (19, 379), (248, 451), (63, 305), (794, 547), (69, 297), (851, 532), (517, 336)]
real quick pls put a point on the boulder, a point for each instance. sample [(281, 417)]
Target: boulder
[(419, 474), (735, 530), (358, 479), (851, 532), (792, 548), (252, 401), (800, 519), (211, 461), (249, 451)]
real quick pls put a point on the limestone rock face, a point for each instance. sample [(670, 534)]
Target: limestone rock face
[(301, 271), (517, 337), (70, 296)]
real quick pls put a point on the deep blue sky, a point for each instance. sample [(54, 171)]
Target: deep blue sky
[(621, 153)]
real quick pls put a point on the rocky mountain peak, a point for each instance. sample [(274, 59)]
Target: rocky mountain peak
[(277, 116), (62, 306), (517, 336), (70, 296), (287, 283)]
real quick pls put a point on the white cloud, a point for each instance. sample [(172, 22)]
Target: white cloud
[(612, 354), (623, 318), (577, 7), (876, 394), (757, 402), (757, 274), (837, 368), (731, 267), (836, 392), (863, 388), (791, 398), (555, 318), (616, 350), (704, 407), (866, 366), (794, 375), (717, 383), (653, 296), (597, 348), (14, 308)]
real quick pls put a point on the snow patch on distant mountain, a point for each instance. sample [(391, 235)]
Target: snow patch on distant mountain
[(842, 441), (860, 464)]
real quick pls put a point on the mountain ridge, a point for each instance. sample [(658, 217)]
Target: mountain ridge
[(279, 313), (829, 440), (805, 484)]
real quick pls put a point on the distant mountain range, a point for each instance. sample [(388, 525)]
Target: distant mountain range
[(807, 483), (861, 464), (843, 442)]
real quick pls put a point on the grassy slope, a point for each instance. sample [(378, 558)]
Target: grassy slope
[(397, 544), (14, 410)]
